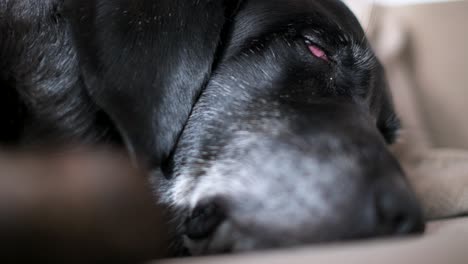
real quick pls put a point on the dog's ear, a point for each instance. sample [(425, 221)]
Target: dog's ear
[(145, 63), (388, 122)]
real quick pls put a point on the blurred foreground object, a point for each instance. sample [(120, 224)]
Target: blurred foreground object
[(77, 206)]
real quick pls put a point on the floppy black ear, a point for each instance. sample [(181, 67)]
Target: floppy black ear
[(388, 122), (145, 62)]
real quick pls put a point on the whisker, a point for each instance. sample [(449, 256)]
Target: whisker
[(372, 19)]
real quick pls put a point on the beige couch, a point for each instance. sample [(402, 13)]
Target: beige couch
[(424, 50)]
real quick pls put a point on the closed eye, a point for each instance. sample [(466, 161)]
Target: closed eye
[(317, 51)]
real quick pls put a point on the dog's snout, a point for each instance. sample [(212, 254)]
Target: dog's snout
[(397, 211), (205, 219), (301, 185)]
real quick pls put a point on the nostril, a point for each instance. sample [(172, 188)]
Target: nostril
[(398, 213), (204, 220)]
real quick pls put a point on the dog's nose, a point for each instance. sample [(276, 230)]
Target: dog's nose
[(205, 219), (397, 212)]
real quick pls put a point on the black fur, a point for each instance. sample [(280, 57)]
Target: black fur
[(43, 97), (177, 81), (145, 63)]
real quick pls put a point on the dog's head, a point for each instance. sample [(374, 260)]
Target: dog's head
[(288, 142)]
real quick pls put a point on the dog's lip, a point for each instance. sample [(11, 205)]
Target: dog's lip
[(197, 247)]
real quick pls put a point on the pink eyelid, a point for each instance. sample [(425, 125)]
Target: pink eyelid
[(318, 52)]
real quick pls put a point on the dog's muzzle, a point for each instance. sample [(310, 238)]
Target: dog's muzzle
[(336, 181)]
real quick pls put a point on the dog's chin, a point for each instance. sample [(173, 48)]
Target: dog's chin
[(229, 239)]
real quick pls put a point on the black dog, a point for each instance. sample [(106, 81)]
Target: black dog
[(269, 118)]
